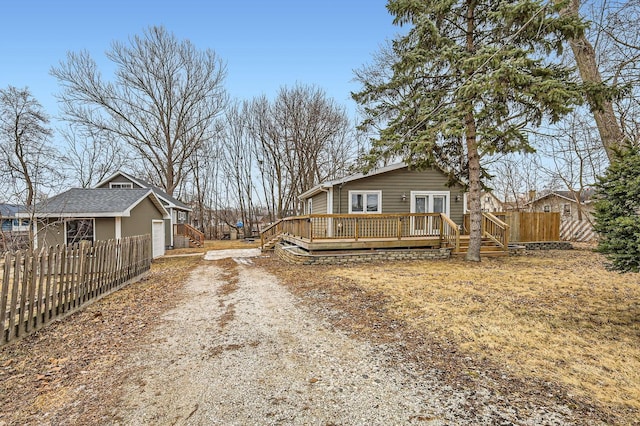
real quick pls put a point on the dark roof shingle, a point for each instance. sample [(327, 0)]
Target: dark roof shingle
[(91, 201)]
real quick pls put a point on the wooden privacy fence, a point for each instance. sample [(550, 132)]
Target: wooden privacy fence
[(528, 226), (37, 287)]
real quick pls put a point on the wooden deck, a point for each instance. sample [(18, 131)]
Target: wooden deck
[(322, 233)]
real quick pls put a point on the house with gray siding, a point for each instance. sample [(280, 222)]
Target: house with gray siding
[(82, 214), (179, 212), (392, 189)]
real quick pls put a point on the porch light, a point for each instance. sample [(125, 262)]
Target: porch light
[(458, 197), (404, 197)]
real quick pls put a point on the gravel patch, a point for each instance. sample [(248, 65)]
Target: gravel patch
[(242, 350)]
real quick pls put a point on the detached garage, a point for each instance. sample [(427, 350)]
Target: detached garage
[(99, 214)]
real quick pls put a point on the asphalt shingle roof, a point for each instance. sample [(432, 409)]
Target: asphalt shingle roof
[(159, 192), (91, 201), (9, 210)]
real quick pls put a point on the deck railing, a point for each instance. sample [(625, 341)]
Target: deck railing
[(270, 231), (190, 232), (495, 229), (357, 227)]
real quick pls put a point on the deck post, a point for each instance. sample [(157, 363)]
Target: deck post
[(356, 230), (399, 227)]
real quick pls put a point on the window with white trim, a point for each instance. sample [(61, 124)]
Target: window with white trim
[(365, 201), (566, 209), (77, 230), (546, 208), (121, 185)]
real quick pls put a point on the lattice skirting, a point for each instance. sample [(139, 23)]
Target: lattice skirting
[(577, 230)]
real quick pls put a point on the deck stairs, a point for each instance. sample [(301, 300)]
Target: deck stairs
[(192, 235), (271, 243), (488, 247)]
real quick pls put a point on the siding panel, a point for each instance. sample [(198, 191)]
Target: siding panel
[(395, 183)]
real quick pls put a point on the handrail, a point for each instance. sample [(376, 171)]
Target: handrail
[(495, 229), (270, 231), (452, 237), (191, 232)]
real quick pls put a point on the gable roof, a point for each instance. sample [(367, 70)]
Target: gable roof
[(585, 196), (378, 171), (171, 201), (326, 185), (95, 202)]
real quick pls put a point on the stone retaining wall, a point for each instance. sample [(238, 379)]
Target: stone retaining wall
[(295, 255), (547, 245)]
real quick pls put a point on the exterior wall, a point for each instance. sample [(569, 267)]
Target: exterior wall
[(394, 184), (556, 204), (489, 203), (319, 203), (139, 222), (119, 179), (104, 228), (50, 232)]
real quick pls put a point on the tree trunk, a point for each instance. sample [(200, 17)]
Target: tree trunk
[(475, 213), (585, 56)]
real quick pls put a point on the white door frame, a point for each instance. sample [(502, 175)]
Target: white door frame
[(428, 227)]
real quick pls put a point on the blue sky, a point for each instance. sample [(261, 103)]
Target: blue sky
[(266, 44)]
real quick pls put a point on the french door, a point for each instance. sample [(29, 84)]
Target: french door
[(428, 202)]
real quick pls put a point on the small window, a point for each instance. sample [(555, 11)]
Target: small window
[(79, 230), (547, 208), (365, 201), (566, 209), (121, 185)]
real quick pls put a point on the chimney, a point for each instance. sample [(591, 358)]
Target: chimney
[(532, 194)]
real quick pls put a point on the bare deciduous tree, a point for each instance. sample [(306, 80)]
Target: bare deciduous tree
[(300, 139), (92, 157), (163, 101), (573, 156), (609, 52), (28, 162)]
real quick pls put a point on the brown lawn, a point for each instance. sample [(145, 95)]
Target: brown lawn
[(556, 317)]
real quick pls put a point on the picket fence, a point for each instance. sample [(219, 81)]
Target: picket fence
[(38, 287)]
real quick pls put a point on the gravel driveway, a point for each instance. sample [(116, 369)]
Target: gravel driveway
[(241, 350)]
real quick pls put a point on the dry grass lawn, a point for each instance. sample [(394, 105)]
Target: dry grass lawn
[(556, 316)]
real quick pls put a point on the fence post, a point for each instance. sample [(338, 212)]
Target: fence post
[(6, 273)]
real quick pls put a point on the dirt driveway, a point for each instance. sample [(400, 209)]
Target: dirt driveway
[(242, 350)]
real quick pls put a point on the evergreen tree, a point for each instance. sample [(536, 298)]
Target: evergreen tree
[(468, 78), (617, 211)]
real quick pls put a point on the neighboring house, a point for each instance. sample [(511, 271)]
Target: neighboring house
[(391, 189), (565, 203), (10, 222), (490, 203), (14, 230), (99, 214), (576, 219), (178, 211)]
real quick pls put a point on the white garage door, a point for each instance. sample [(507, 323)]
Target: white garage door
[(157, 237)]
